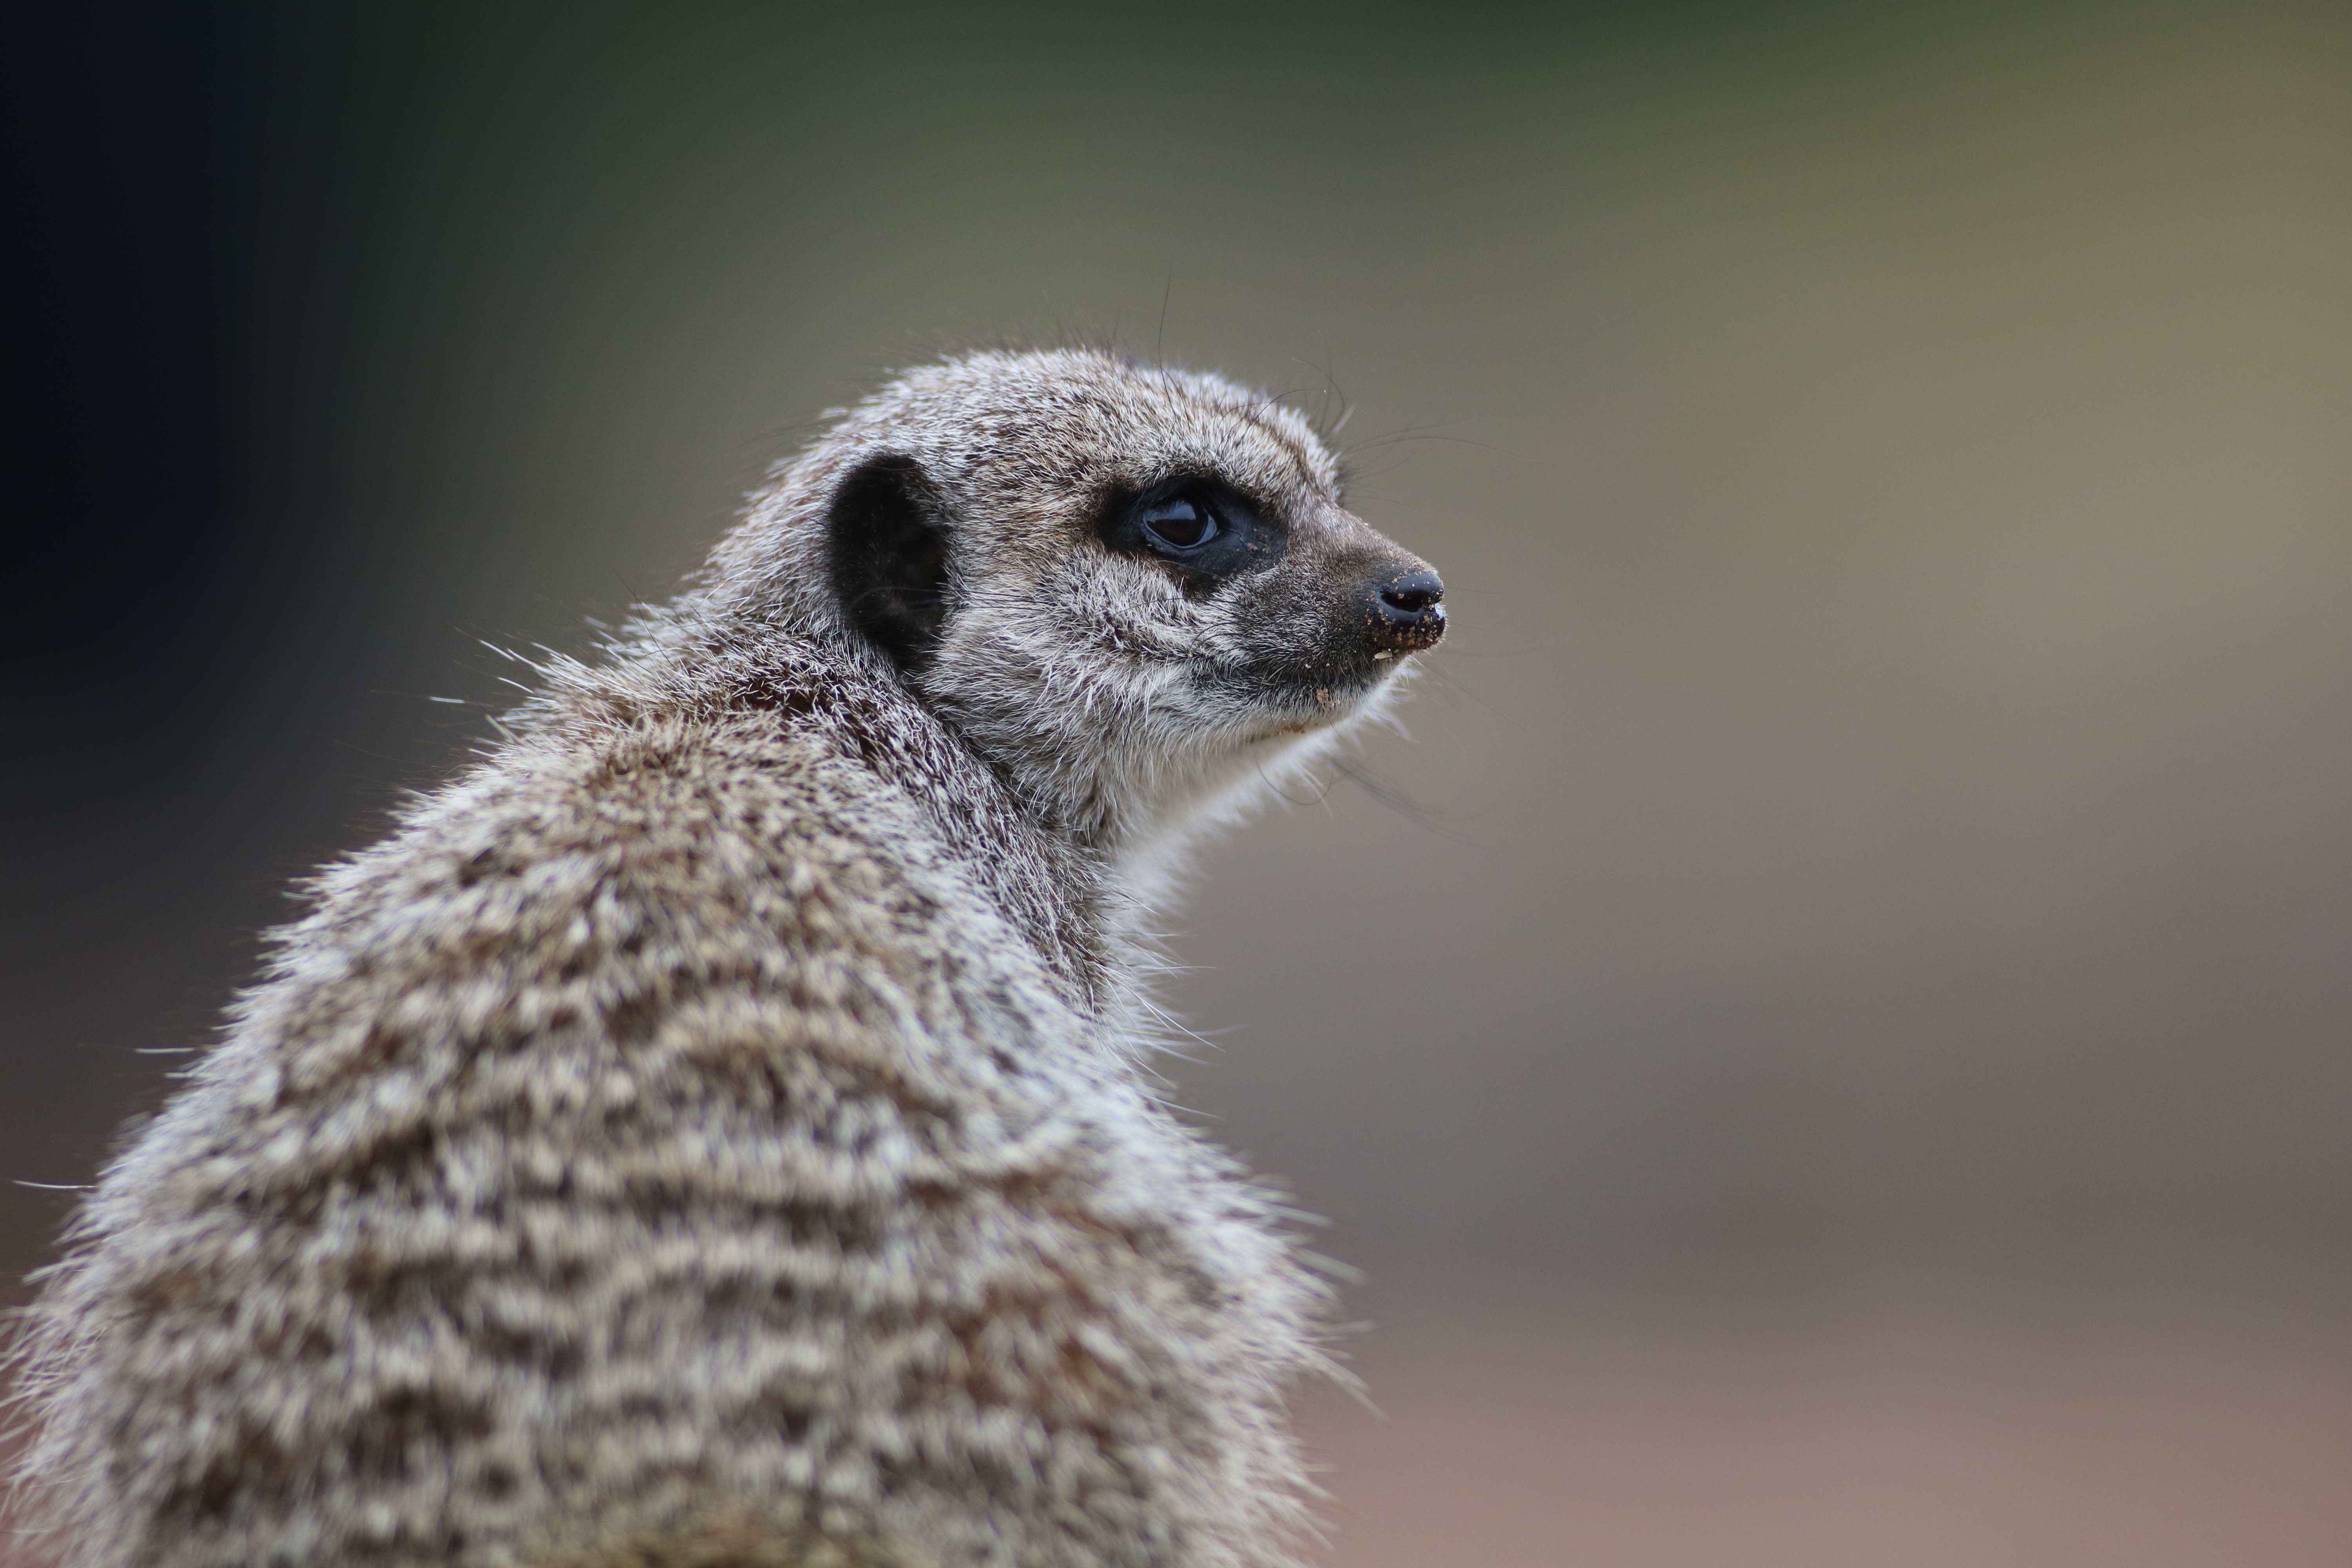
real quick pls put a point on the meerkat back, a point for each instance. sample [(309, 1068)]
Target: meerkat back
[(716, 1128)]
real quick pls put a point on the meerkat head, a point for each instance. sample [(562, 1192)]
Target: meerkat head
[(1135, 591)]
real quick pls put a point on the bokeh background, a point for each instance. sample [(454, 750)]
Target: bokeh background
[(1832, 1037)]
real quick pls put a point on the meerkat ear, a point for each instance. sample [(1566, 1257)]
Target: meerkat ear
[(889, 547)]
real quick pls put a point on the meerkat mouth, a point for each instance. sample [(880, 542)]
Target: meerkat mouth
[(1303, 702)]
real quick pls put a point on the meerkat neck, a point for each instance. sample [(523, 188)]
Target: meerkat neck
[(1062, 891)]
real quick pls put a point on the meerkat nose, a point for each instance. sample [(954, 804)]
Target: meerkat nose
[(1405, 613)]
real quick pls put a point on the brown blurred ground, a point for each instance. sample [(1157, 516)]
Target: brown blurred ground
[(1935, 1418)]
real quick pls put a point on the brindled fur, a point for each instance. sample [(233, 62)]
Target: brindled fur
[(716, 1128)]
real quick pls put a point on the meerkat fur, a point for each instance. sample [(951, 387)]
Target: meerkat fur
[(717, 1129)]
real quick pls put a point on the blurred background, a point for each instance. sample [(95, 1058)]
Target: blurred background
[(1831, 1040)]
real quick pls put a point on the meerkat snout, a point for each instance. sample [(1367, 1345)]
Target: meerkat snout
[(1406, 615)]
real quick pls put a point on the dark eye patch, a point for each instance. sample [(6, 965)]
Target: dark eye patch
[(1203, 529)]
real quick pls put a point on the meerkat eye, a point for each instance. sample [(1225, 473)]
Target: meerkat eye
[(1196, 526), (1181, 522)]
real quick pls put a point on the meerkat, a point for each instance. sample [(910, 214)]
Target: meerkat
[(717, 1129)]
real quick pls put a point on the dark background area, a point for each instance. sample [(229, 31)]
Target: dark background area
[(1832, 1036)]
